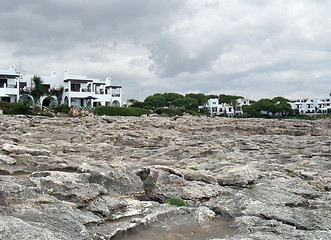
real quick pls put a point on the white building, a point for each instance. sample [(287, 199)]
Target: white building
[(9, 85), (312, 105), (216, 108), (78, 91)]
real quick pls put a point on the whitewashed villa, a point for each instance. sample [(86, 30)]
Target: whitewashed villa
[(312, 105), (302, 106), (76, 90), (216, 108)]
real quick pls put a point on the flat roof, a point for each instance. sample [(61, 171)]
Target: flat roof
[(78, 80), (6, 76), (113, 86)]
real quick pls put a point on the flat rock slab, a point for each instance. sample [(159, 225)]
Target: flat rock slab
[(109, 178)]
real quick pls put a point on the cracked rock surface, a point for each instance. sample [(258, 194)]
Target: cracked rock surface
[(109, 177)]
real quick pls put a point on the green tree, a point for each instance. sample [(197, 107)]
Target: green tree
[(275, 106), (136, 104), (170, 97), (223, 98), (155, 101), (202, 99), (283, 108), (211, 96), (234, 103), (38, 90), (250, 111), (280, 99), (187, 103), (266, 105)]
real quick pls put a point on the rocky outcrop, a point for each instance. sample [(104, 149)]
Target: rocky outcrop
[(109, 178)]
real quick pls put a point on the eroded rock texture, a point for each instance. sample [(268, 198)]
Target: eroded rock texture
[(108, 178)]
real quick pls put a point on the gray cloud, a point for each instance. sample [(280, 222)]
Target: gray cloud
[(253, 48)]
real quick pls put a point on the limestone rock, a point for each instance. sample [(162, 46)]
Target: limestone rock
[(12, 228), (240, 176), (10, 148), (73, 187), (107, 177), (7, 159)]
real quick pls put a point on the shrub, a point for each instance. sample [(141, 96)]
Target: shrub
[(176, 201), (14, 108), (193, 113), (169, 112), (120, 111), (63, 108), (22, 109)]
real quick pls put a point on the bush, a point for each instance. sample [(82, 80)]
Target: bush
[(120, 111), (63, 108), (169, 112), (14, 108), (193, 113), (22, 109), (176, 201)]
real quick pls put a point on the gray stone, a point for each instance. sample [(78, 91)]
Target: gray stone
[(106, 177), (7, 159)]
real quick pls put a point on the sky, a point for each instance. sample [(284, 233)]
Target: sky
[(253, 48)]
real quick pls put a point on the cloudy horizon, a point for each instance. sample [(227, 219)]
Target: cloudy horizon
[(256, 49)]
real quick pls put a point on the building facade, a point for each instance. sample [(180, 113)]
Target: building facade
[(215, 108), (73, 90), (312, 105), (80, 91), (9, 85)]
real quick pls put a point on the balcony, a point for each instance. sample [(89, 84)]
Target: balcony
[(86, 90), (8, 86), (115, 95)]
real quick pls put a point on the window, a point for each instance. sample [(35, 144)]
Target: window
[(116, 92), (75, 87)]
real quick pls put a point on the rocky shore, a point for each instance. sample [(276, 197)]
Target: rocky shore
[(108, 178)]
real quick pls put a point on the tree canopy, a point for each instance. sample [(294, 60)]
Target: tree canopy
[(277, 106), (229, 99)]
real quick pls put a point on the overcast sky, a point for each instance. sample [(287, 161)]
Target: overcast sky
[(254, 48)]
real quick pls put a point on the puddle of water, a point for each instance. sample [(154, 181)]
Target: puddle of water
[(184, 228)]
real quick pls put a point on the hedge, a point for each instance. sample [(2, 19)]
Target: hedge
[(14, 108), (120, 111)]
